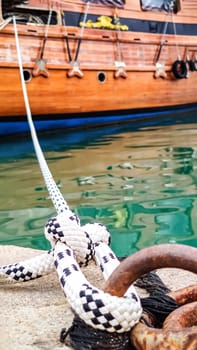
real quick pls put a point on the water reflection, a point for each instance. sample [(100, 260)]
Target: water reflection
[(138, 180)]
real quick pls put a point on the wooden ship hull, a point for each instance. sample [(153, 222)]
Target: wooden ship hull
[(87, 64)]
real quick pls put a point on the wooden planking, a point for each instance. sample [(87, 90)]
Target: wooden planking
[(95, 51), (139, 90), (98, 52)]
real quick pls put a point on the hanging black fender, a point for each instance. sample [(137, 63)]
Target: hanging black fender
[(179, 69), (195, 64), (191, 65)]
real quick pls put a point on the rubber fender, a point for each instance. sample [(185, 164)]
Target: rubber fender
[(179, 69)]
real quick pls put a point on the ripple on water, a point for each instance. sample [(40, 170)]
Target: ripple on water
[(140, 182)]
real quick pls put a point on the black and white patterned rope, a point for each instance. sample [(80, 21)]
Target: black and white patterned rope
[(82, 239), (28, 269), (73, 244), (96, 308), (68, 231)]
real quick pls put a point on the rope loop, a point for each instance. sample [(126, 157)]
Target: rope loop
[(96, 308), (64, 228)]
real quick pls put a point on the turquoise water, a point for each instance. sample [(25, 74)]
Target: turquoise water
[(139, 180)]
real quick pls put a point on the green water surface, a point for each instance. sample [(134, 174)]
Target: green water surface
[(138, 180)]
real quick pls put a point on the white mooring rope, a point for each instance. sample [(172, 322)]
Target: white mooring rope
[(73, 245)]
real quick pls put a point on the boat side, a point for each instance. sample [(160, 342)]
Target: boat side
[(94, 69)]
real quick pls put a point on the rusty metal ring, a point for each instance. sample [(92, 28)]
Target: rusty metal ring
[(183, 317), (184, 337), (149, 259), (146, 338), (184, 295), (179, 331)]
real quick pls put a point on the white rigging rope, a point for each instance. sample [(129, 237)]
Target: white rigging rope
[(48, 22), (84, 19), (175, 35)]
